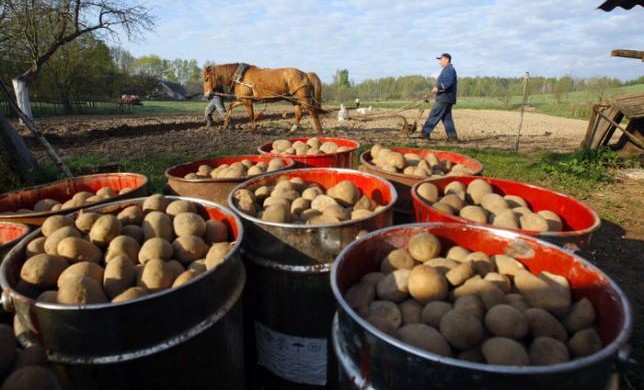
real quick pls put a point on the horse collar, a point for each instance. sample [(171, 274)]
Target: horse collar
[(238, 76)]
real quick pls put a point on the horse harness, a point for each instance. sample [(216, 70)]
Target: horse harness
[(238, 76)]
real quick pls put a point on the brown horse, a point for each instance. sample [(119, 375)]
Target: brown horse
[(317, 88), (263, 85)]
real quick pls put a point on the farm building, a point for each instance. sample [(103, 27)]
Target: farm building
[(174, 91)]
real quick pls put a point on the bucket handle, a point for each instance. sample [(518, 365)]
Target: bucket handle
[(6, 303), (624, 359), (571, 248)]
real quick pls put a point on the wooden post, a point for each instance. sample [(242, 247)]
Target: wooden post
[(525, 98)]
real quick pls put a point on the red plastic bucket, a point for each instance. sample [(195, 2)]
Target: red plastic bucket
[(403, 183), (579, 220), (10, 234), (370, 358), (215, 190), (338, 160), (63, 190)]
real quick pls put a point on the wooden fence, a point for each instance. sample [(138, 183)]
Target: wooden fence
[(50, 107)]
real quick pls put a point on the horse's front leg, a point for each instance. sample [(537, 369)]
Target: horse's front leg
[(229, 113), (251, 113), (298, 118)]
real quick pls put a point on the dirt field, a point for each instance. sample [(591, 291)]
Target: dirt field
[(615, 248)]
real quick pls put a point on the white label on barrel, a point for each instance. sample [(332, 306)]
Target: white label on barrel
[(296, 359)]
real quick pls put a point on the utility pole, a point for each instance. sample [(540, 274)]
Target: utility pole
[(525, 98)]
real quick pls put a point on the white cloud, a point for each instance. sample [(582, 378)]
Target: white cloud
[(377, 38)]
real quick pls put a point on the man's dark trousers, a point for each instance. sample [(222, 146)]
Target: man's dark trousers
[(440, 111)]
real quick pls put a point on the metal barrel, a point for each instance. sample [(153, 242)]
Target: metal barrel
[(371, 359), (189, 336), (403, 209), (63, 190), (289, 305), (579, 220), (215, 190)]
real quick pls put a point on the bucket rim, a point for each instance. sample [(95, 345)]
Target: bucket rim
[(257, 221), (549, 234), (43, 214), (25, 231), (399, 175), (613, 348), (9, 291), (290, 164)]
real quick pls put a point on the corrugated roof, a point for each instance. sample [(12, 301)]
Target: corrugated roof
[(610, 5)]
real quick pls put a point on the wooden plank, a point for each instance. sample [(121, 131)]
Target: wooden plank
[(626, 131), (632, 105), (627, 53), (603, 125), (592, 127)]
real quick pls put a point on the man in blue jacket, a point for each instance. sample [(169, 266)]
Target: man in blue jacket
[(445, 91)]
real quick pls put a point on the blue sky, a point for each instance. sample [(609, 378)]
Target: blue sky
[(379, 38)]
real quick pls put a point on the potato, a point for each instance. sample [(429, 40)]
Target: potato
[(189, 224), (278, 213), (501, 281), (506, 219), (533, 222), (397, 259), (119, 276), (43, 270), (459, 274), (104, 230), (328, 147), (298, 205), (360, 213), (429, 192), (158, 224), (35, 247), (80, 290), (554, 221), (185, 277), (584, 343), (476, 189), (517, 301), (189, 248), (487, 292), (473, 213), (155, 248), (156, 275), (494, 203), (387, 311), (49, 296), (505, 321), (471, 355), (424, 337), (8, 344), (433, 312), (471, 304), (130, 293), (547, 291), (360, 295), (515, 201), (176, 267), (394, 286), (180, 206), (461, 329), (444, 208), (544, 324), (123, 245), (581, 316), (454, 187), (365, 203), (76, 249), (426, 284), (131, 215), (507, 265), (217, 254), (312, 192), (457, 253), (321, 202), (424, 246), (51, 243), (86, 269), (482, 263), (454, 201), (372, 278), (198, 265), (45, 205), (504, 351), (55, 222), (546, 350), (411, 311), (134, 231), (345, 193), (337, 211), (32, 378), (156, 202), (85, 220)]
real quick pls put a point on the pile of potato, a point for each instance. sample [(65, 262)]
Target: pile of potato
[(23, 368), (296, 201), (82, 198), (475, 306), (415, 165), (478, 202), (312, 146), (99, 258), (236, 170)]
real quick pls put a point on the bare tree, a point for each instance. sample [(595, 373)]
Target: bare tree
[(33, 30)]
